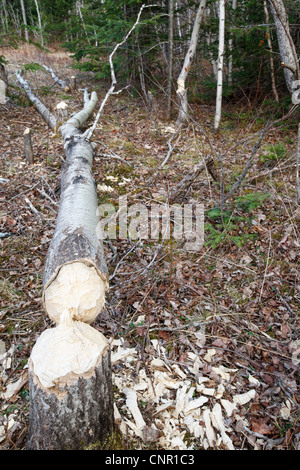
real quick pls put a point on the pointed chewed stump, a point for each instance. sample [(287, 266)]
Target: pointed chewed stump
[(70, 388)]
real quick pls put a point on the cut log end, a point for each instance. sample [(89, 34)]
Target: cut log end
[(77, 291), (70, 350), (77, 407)]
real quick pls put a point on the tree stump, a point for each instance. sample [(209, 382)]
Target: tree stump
[(28, 146), (78, 409)]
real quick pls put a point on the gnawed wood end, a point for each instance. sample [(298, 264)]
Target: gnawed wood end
[(67, 351), (78, 291)]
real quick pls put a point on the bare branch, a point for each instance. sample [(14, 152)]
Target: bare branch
[(111, 90)]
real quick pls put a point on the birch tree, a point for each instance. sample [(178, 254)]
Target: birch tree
[(181, 90), (271, 52), (220, 64), (24, 19), (230, 43), (39, 22), (70, 383), (286, 45), (171, 57)]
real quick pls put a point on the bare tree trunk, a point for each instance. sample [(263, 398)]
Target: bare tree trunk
[(4, 17), (71, 400), (234, 3), (181, 90), (220, 64), (40, 22), (298, 167), (44, 112), (287, 48), (56, 79), (78, 7), (271, 52), (24, 19), (171, 58), (28, 146)]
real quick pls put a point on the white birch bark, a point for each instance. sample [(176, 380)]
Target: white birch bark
[(271, 52), (287, 48), (70, 379), (170, 58), (220, 65), (56, 79), (44, 112), (39, 22), (181, 90)]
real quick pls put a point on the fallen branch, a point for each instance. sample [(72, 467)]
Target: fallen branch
[(62, 83), (111, 90), (44, 112), (250, 162), (189, 179)]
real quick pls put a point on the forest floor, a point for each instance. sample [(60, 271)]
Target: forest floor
[(207, 340)]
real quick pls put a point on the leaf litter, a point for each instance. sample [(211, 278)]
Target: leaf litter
[(205, 347)]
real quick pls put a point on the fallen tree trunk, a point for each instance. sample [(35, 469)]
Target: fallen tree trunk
[(62, 83), (44, 112), (71, 403), (188, 180)]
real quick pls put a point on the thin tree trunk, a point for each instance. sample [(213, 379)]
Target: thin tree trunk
[(4, 17), (78, 6), (40, 22), (287, 48), (170, 58), (298, 167), (44, 112), (28, 146), (220, 64), (56, 79), (271, 52), (230, 43), (181, 90), (24, 19)]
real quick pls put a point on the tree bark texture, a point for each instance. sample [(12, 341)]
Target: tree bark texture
[(181, 90), (71, 415), (220, 65), (62, 83), (44, 112), (287, 48), (28, 146), (24, 19), (71, 400)]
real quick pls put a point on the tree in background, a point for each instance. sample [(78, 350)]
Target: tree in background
[(255, 43)]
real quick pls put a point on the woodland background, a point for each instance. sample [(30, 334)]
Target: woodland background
[(228, 313)]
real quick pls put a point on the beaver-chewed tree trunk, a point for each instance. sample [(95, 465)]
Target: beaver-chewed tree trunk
[(71, 402)]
